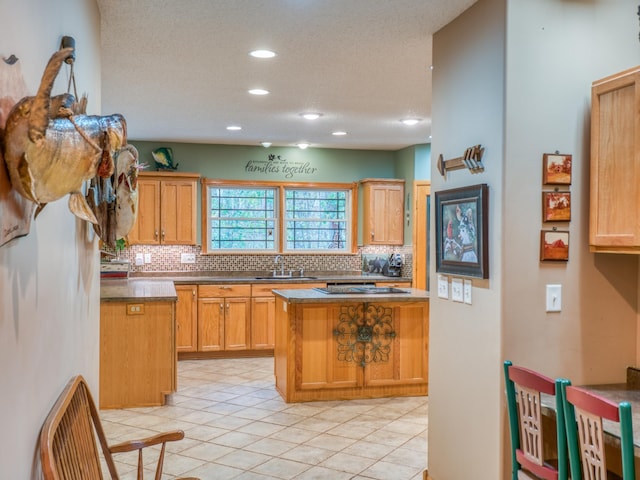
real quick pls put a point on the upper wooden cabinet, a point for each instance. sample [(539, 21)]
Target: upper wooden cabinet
[(383, 211), (615, 163), (166, 209)]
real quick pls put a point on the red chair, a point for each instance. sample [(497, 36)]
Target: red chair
[(524, 388), (584, 412)]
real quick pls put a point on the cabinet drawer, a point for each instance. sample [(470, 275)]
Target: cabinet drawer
[(226, 290), (394, 284), (264, 289)]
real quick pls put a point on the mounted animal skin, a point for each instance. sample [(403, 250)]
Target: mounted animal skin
[(50, 150)]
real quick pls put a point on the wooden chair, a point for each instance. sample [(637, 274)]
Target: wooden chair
[(584, 412), (68, 448), (524, 388)]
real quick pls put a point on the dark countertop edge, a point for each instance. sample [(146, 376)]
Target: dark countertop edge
[(250, 277), (312, 296)]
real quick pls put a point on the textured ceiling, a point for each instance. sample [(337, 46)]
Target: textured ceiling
[(179, 70)]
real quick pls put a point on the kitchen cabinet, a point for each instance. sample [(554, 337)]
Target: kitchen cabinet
[(615, 163), (338, 349), (166, 209), (383, 211), (187, 318), (137, 353), (224, 317), (263, 311)]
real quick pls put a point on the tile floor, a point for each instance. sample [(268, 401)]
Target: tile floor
[(238, 427)]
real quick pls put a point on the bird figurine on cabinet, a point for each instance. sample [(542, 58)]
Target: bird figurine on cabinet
[(163, 156)]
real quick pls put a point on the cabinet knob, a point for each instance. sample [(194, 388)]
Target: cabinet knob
[(155, 234), (162, 234), (193, 292)]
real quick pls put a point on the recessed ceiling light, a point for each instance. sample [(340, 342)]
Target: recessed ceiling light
[(266, 144), (262, 54), (234, 127), (311, 115), (339, 133), (411, 121), (303, 145), (258, 91)]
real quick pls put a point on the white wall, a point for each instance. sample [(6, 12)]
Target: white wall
[(518, 76), (49, 280)]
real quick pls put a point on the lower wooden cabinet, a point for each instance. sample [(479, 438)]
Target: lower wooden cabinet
[(187, 318), (224, 316), (324, 352), (137, 353)]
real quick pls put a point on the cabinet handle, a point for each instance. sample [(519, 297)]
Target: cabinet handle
[(155, 234), (162, 234)]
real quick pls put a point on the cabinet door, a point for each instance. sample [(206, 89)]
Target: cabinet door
[(320, 362), (147, 227), (263, 322), (186, 319), (615, 163), (405, 360), (383, 213), (210, 324), (236, 323), (178, 206)]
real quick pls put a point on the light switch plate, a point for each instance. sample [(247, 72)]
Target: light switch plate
[(147, 258), (467, 288), (456, 290), (139, 259), (443, 286), (554, 298)]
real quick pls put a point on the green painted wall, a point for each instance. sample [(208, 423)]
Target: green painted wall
[(288, 164)]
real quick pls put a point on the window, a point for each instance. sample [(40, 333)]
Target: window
[(316, 220), (268, 217), (241, 218)]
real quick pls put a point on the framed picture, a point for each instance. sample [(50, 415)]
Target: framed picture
[(556, 206), (462, 231), (556, 169), (554, 245)]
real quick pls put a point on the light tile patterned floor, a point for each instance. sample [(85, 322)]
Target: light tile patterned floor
[(237, 427)]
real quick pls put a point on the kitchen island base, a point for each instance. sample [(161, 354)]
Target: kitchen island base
[(350, 347)]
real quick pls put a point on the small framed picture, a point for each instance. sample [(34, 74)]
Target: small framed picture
[(556, 206), (554, 245), (556, 169)]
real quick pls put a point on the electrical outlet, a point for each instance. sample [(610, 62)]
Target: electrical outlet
[(147, 258), (187, 258), (139, 259)]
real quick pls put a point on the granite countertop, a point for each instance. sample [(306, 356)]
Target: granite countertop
[(315, 296), (137, 290)]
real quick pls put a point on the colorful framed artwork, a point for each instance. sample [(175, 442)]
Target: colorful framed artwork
[(554, 245), (556, 206), (462, 231), (556, 169)]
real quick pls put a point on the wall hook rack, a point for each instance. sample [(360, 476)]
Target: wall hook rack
[(472, 160)]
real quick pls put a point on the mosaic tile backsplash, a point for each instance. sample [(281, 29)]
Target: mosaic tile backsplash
[(167, 258)]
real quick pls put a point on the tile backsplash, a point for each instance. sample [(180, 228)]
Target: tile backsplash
[(167, 258)]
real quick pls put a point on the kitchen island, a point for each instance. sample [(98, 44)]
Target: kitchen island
[(351, 343), (138, 361)]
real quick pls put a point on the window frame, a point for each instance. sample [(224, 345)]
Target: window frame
[(352, 213)]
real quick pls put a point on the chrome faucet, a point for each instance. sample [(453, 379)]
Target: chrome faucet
[(275, 262)]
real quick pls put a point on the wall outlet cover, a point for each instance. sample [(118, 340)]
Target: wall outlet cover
[(456, 290), (443, 286), (188, 258)]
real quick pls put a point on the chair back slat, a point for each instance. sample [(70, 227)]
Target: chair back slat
[(530, 416), (591, 440)]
